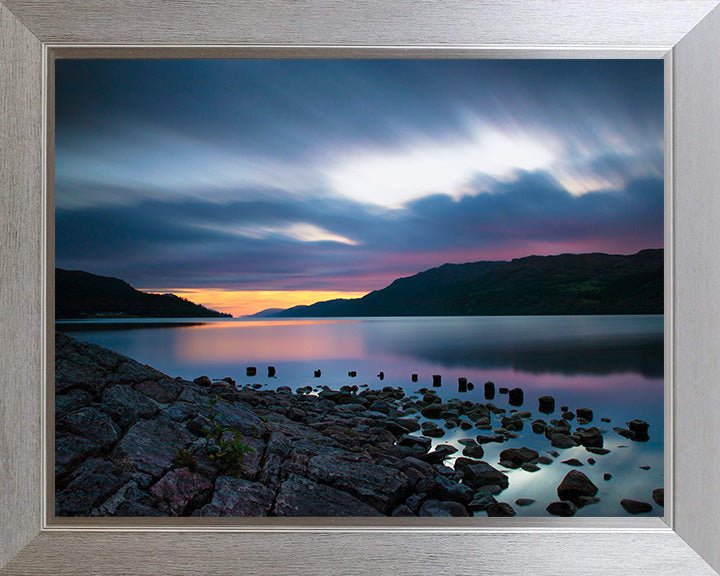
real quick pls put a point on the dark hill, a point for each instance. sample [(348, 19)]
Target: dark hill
[(83, 295), (537, 285)]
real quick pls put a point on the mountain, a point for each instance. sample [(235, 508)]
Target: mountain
[(265, 313), (536, 285), (83, 295)]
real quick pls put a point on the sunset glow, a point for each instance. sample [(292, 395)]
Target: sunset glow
[(246, 302)]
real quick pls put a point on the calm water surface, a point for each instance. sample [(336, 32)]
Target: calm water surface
[(611, 364)]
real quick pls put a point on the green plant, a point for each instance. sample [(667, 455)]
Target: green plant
[(184, 458), (225, 444)]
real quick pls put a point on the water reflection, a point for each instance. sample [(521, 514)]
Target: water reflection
[(611, 364)]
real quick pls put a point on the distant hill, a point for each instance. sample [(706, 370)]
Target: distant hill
[(265, 313), (83, 295), (536, 285)]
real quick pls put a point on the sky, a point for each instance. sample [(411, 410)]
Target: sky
[(252, 184)]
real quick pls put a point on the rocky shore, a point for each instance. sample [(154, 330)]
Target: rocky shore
[(132, 441)]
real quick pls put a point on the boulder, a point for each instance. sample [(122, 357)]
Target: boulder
[(180, 491), (475, 451), (562, 441), (151, 444), (71, 450), (127, 406), (438, 508), (481, 500), (91, 424), (443, 488), (379, 486), (574, 485), (234, 497), (635, 506), (500, 509), (538, 426), (482, 474), (524, 501), (299, 496), (585, 414), (518, 456), (91, 484), (658, 496), (563, 508), (71, 401), (205, 381), (572, 462), (162, 391)]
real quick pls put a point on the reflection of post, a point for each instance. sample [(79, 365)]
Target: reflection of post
[(437, 380)]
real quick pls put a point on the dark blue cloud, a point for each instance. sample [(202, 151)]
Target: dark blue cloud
[(235, 173)]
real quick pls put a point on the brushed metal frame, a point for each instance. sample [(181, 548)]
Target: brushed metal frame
[(653, 547)]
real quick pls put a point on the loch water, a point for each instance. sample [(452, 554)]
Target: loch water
[(611, 364)]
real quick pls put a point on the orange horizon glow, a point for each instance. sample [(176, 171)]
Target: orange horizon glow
[(245, 302)]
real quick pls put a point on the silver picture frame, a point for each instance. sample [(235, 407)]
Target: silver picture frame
[(685, 33)]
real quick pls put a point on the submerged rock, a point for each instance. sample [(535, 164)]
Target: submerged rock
[(658, 496), (482, 474), (562, 508), (635, 506), (500, 509), (574, 485)]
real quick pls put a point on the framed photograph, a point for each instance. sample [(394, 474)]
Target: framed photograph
[(311, 296)]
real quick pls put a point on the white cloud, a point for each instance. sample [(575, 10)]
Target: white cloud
[(393, 178)]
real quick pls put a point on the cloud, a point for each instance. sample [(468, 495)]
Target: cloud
[(345, 245)]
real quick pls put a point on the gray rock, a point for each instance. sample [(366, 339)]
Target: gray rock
[(136, 510), (235, 498), (530, 467), (402, 511), (71, 450), (71, 401), (91, 424), (434, 432), (481, 501), (500, 509), (127, 406), (538, 426), (563, 508), (562, 441), (607, 476), (200, 425), (437, 508), (598, 451), (585, 414), (658, 496), (482, 474), (516, 457), (202, 381), (180, 491), (574, 485), (635, 506), (180, 411), (590, 437), (379, 486), (443, 488), (92, 483), (162, 391), (474, 451), (572, 462), (524, 501), (151, 444)]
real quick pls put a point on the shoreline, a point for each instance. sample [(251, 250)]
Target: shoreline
[(131, 441)]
